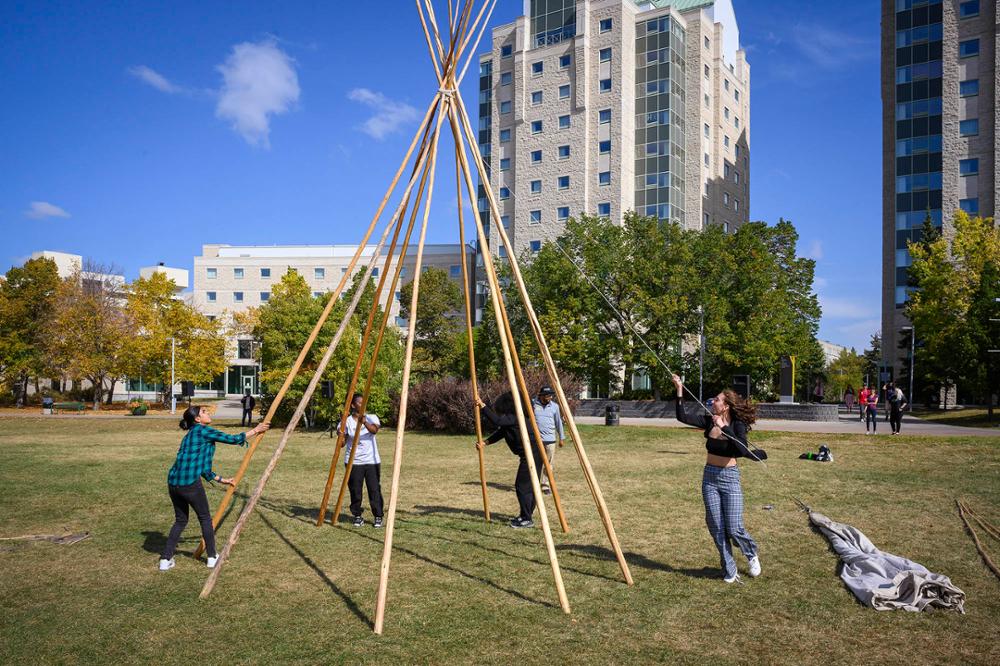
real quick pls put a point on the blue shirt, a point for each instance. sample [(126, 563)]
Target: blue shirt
[(549, 419)]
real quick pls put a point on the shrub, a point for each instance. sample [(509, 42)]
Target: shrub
[(446, 405)]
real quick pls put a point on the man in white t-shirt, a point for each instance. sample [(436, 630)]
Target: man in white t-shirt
[(367, 466)]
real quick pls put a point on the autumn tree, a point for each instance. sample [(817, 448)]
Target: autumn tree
[(27, 297), (440, 327)]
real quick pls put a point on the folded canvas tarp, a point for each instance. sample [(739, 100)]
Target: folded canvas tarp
[(885, 581)]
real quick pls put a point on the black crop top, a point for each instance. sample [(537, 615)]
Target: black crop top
[(723, 446)]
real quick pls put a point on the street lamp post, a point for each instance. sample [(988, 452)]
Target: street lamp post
[(913, 349), (173, 397), (701, 353)]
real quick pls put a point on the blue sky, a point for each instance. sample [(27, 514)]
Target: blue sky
[(132, 133)]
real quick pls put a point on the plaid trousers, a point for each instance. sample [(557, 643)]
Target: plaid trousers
[(723, 495)]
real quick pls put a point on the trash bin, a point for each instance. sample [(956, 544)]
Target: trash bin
[(47, 405), (611, 414)]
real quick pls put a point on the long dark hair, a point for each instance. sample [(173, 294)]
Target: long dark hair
[(742, 409), (504, 404), (190, 414)]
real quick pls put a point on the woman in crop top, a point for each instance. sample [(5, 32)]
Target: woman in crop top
[(726, 430)]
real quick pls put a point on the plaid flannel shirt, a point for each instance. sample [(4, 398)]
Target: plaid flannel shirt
[(194, 458)]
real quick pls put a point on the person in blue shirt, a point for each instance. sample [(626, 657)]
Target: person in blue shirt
[(194, 459), (550, 427)]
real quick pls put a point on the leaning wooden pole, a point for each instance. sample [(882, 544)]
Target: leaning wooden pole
[(397, 459), (294, 371), (588, 470), (307, 395), (466, 289), (496, 298)]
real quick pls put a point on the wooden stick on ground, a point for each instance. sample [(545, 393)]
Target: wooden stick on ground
[(496, 297), (307, 395), (397, 460), (962, 508), (293, 372), (588, 471)]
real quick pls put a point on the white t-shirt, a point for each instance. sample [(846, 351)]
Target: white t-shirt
[(367, 446)]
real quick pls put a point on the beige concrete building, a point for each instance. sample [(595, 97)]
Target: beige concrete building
[(939, 119), (233, 278), (605, 106)]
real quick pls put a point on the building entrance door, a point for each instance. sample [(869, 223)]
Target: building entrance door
[(247, 384)]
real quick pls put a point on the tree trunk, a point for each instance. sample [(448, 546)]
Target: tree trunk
[(111, 392), (98, 383)]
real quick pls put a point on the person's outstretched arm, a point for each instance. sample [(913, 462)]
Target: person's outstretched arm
[(681, 413)]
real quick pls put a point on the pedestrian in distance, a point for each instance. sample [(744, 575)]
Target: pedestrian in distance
[(817, 395), (871, 412), (725, 429), (367, 468), (863, 402), (504, 418), (550, 427), (849, 399), (194, 459), (897, 403), (248, 403)]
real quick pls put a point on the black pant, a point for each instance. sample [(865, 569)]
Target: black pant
[(368, 475), (522, 483), (871, 418), (182, 497), (895, 417), (247, 418)]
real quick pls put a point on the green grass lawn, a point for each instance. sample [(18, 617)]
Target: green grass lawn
[(464, 591), (970, 417)]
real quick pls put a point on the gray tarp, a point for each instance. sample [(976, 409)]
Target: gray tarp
[(885, 581)]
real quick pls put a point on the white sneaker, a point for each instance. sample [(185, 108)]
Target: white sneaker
[(754, 566), (735, 577), (210, 561), (167, 565)]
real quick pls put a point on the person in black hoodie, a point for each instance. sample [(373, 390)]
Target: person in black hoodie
[(726, 429), (504, 418)]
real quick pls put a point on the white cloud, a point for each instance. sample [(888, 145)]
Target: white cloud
[(152, 77), (258, 82), (845, 308), (389, 116), (39, 210), (815, 250), (830, 48)]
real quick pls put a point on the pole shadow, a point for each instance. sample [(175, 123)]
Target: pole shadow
[(351, 604), (506, 487), (637, 560)]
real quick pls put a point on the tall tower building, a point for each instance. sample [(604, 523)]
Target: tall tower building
[(939, 147), (604, 106)]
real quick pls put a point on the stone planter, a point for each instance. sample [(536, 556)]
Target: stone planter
[(139, 411)]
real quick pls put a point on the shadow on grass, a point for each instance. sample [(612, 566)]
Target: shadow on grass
[(677, 453), (154, 542), (638, 560), (506, 487), (431, 510), (351, 604)]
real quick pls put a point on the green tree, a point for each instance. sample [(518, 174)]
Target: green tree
[(871, 360), (439, 347), (843, 372), (27, 298)]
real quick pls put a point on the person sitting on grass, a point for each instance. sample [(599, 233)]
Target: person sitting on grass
[(194, 459), (367, 467), (726, 430), (504, 418)]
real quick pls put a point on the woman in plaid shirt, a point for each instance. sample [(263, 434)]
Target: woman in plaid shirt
[(194, 459)]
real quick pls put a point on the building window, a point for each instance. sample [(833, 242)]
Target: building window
[(505, 221), (319, 273), (375, 272), (564, 92), (968, 48), (504, 135), (736, 95), (265, 296), (704, 219), (210, 296), (563, 182), (725, 198), (706, 159), (968, 167), (708, 130), (605, 85), (968, 127), (725, 170), (265, 272), (604, 116), (535, 246), (455, 271), (604, 209), (564, 122), (604, 147), (506, 78), (736, 151), (725, 141), (565, 61), (604, 178), (968, 88), (536, 156), (317, 294), (506, 51), (970, 206), (504, 194), (736, 177), (535, 217), (708, 72), (736, 205), (537, 68), (238, 273), (708, 44), (562, 213), (725, 227), (536, 126), (725, 84), (536, 98), (605, 25), (505, 107), (212, 273), (968, 9), (502, 252), (237, 297), (605, 55), (536, 187), (736, 122), (504, 163), (708, 101), (725, 112)]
